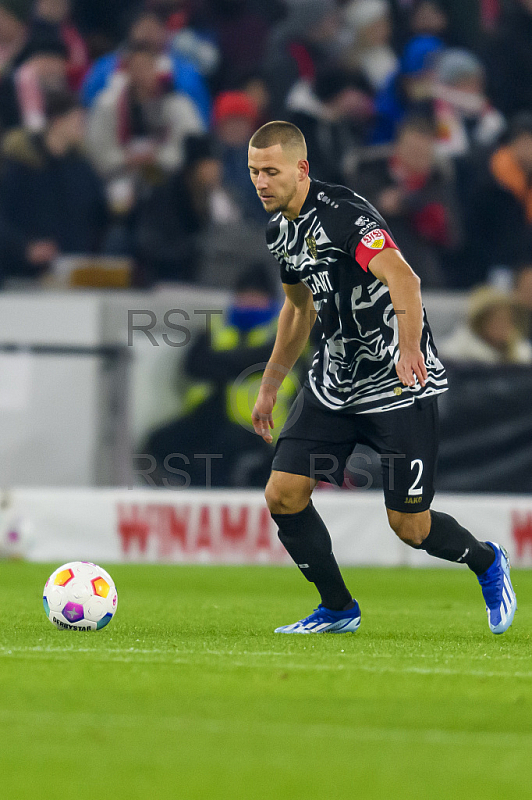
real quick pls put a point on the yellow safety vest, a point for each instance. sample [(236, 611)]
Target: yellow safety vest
[(240, 395)]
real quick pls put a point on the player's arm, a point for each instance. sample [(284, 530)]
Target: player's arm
[(390, 267), (296, 319)]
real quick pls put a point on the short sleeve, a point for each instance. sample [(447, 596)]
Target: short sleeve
[(276, 248), (364, 234)]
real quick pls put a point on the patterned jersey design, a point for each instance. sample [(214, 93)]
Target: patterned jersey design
[(329, 248)]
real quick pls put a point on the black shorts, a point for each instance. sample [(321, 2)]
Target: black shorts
[(319, 443)]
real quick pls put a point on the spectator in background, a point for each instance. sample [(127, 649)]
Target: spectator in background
[(174, 215), (136, 134), (334, 113), (429, 18), (499, 207), (14, 17), (240, 29), (189, 36), (415, 191), (173, 12), (369, 49), (299, 45), (228, 245), (104, 23), (492, 334), (51, 200), (52, 21), (523, 291), (234, 118), (148, 30), (255, 86), (523, 295), (464, 116), (219, 399), (409, 90), (41, 67)]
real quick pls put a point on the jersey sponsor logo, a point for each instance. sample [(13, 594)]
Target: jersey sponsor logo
[(327, 200), (368, 227), (413, 500), (318, 282), (362, 221), (374, 240), (311, 244)]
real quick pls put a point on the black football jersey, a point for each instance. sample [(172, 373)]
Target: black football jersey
[(328, 248)]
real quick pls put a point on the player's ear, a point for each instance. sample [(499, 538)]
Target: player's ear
[(303, 167)]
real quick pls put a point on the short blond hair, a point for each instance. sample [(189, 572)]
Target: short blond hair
[(286, 134)]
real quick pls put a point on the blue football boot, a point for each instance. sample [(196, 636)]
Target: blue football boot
[(498, 592), (323, 620)]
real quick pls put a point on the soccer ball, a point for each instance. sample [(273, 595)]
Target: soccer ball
[(80, 596)]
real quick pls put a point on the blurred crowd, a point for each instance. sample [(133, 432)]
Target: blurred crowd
[(124, 129)]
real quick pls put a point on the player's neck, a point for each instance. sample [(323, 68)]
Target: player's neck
[(295, 206)]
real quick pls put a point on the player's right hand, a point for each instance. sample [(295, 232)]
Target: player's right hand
[(262, 415), (411, 366)]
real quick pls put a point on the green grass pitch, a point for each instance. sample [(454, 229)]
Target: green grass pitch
[(189, 695)]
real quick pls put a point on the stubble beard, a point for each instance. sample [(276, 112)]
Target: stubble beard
[(283, 204)]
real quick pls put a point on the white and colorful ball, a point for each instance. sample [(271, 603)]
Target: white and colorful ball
[(80, 596)]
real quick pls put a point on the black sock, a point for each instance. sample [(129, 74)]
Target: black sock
[(450, 541), (307, 539)]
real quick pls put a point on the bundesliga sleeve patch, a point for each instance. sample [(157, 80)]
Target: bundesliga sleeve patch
[(371, 244), (374, 240)]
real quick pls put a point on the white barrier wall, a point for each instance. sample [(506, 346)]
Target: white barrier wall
[(230, 527), (79, 389)]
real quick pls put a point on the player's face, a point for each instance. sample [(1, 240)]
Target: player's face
[(278, 177)]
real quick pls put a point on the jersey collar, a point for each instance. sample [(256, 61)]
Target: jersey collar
[(310, 200)]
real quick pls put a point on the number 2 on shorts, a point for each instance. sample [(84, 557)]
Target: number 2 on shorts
[(415, 489)]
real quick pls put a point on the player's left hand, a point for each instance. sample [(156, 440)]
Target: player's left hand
[(411, 365), (262, 415)]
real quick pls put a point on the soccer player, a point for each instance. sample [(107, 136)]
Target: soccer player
[(375, 379)]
